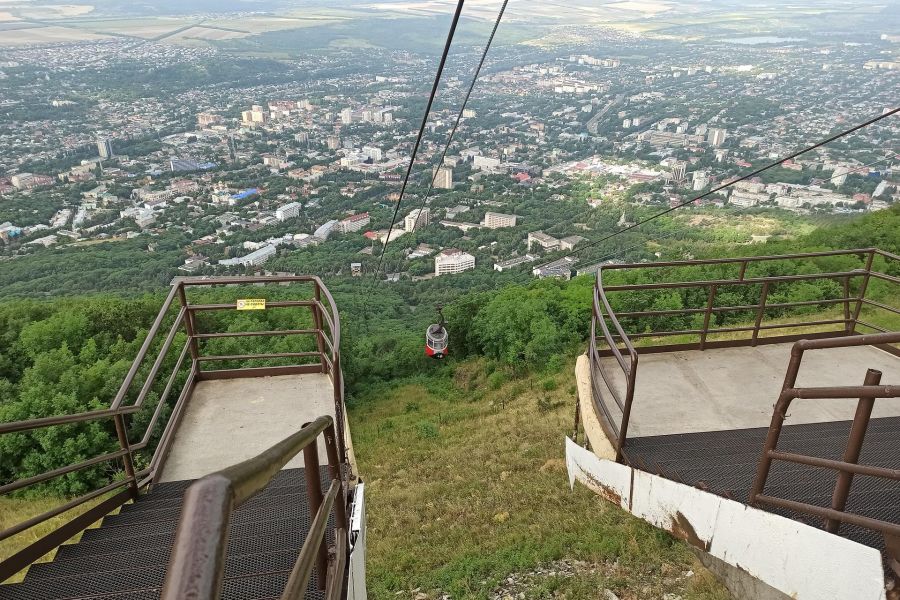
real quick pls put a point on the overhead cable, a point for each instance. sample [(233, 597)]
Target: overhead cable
[(412, 159)]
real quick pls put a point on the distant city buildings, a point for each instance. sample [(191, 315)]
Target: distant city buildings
[(354, 222), (443, 179), (28, 181), (547, 242), (495, 220), (104, 148), (417, 219), (205, 119), (715, 136), (561, 268), (451, 261), (288, 211), (257, 257), (326, 229), (505, 265), (257, 115), (485, 163)]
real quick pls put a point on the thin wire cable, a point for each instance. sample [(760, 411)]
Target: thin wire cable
[(459, 115), (412, 159), (674, 233), (753, 173)]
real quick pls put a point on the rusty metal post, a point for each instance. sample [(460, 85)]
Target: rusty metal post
[(778, 417), (314, 493), (763, 297), (852, 451), (862, 290), (847, 321), (317, 320), (577, 418), (707, 315), (127, 459), (189, 326), (334, 467)]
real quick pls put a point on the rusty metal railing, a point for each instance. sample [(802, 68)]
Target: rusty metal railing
[(128, 456), (609, 338), (197, 565), (867, 394)]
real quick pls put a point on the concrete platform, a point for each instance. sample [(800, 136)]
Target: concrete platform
[(228, 421), (735, 388)]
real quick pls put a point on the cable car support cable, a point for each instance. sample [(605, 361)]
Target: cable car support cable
[(412, 159), (462, 109)]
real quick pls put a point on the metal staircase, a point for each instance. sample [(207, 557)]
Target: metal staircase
[(127, 556), (232, 515)]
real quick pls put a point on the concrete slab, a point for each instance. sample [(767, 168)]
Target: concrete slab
[(734, 388), (230, 420)]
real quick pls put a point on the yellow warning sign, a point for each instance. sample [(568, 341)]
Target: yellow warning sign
[(251, 304)]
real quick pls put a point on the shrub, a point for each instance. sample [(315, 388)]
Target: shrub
[(426, 430)]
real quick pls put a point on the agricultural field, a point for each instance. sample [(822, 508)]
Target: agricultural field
[(47, 35)]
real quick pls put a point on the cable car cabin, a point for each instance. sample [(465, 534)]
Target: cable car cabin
[(436, 340)]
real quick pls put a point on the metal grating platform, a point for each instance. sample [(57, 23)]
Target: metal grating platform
[(126, 558), (724, 462)]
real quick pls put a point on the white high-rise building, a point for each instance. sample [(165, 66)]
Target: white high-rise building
[(288, 211), (444, 179), (715, 136), (453, 261), (417, 219), (701, 179), (372, 152), (104, 148), (347, 116)]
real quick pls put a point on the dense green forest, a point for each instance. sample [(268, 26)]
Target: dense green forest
[(71, 354)]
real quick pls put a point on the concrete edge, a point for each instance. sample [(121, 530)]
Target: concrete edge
[(590, 421)]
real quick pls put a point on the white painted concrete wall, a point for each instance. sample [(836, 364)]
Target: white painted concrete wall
[(801, 561), (356, 586)]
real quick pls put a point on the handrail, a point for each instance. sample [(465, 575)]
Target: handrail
[(197, 565), (750, 259), (849, 465), (327, 330), (618, 342)]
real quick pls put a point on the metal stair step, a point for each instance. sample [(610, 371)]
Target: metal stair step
[(176, 488), (149, 503), (174, 513), (137, 577), (239, 520), (71, 563), (158, 540)]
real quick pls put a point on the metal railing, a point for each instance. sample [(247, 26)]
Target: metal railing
[(849, 465), (127, 459), (609, 338), (197, 565)]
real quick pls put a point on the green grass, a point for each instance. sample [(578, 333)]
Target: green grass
[(466, 484), (16, 510)]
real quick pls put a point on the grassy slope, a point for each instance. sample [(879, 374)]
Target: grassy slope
[(467, 484), (16, 510)]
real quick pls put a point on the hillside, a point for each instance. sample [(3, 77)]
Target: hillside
[(463, 458), (467, 496)]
